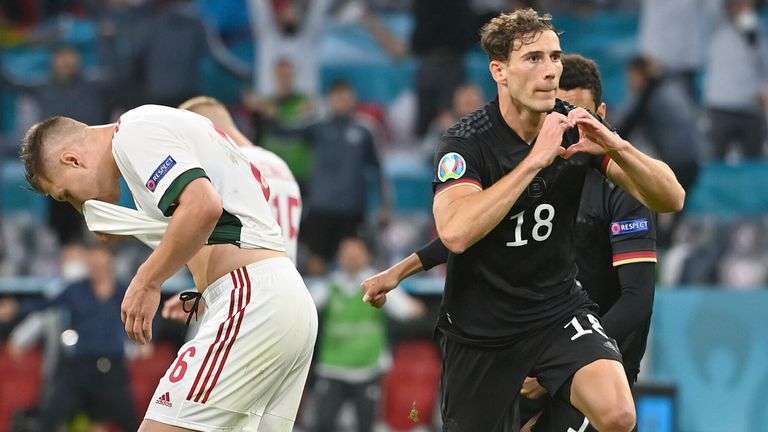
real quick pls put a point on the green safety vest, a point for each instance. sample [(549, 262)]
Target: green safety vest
[(353, 333)]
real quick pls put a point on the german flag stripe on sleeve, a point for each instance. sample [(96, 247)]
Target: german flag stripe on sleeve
[(634, 257), (604, 164), (444, 187)]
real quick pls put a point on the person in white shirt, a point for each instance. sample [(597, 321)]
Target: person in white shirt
[(285, 196), (246, 367)]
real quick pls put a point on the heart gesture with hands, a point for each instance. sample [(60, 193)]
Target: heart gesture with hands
[(549, 142), (594, 137)]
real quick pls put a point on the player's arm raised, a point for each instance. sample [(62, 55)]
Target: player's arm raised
[(198, 210), (649, 180), (464, 214)]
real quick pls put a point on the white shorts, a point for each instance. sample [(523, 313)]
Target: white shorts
[(245, 369)]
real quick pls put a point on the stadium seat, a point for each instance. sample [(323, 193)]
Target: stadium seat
[(146, 373), (20, 384), (413, 379)]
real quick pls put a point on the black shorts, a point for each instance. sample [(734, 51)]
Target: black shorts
[(480, 387), (559, 415), (322, 232)]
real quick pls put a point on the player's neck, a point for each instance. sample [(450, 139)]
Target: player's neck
[(523, 121), (99, 138), (241, 140)]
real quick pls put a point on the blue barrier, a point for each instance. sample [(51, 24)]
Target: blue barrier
[(712, 345)]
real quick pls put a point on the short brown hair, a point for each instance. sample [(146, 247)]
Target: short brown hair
[(510, 31), (198, 101), (32, 152), (581, 72)]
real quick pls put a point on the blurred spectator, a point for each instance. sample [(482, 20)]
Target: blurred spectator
[(46, 325), (697, 247), (665, 115), (119, 25), (289, 106), (69, 91), (735, 91), (466, 99), (91, 372), (344, 155), (352, 350), (677, 48), (745, 263), (288, 30), (441, 54), (167, 55)]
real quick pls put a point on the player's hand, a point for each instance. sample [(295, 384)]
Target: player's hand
[(140, 304), (173, 309), (532, 389), (594, 137), (8, 308), (549, 142), (528, 426), (376, 288)]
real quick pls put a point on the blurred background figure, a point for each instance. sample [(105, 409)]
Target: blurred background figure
[(662, 115), (736, 83), (466, 99), (678, 49), (289, 106), (73, 92), (166, 56), (90, 373), (440, 54), (353, 349), (288, 30), (342, 149)]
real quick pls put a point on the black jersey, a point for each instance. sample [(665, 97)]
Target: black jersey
[(613, 229), (521, 275)]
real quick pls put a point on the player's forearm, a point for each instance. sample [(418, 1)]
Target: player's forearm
[(187, 233), (466, 220), (635, 305), (649, 180), (406, 268)]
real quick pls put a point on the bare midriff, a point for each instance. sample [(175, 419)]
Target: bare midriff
[(214, 261)]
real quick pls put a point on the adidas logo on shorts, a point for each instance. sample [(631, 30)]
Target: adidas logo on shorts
[(165, 399)]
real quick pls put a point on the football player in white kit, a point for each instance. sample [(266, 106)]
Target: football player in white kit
[(284, 197), (245, 369)]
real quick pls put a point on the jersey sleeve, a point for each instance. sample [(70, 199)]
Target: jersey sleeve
[(632, 229), (161, 161), (456, 163)]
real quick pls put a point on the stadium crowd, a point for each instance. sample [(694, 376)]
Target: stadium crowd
[(312, 79)]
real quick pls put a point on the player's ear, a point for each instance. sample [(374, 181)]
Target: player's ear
[(602, 110), (498, 71), (71, 158)]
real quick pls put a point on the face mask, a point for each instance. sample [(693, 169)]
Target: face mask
[(747, 21), (73, 270)]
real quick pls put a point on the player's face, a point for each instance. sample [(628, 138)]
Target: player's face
[(74, 180), (530, 75), (579, 96), (582, 97), (353, 255)]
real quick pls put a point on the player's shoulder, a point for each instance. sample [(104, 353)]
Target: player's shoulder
[(471, 125), (269, 162)]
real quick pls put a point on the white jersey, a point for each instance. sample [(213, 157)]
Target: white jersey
[(285, 195), (160, 150)]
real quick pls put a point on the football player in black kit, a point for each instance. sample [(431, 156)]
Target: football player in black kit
[(616, 265), (508, 184)]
